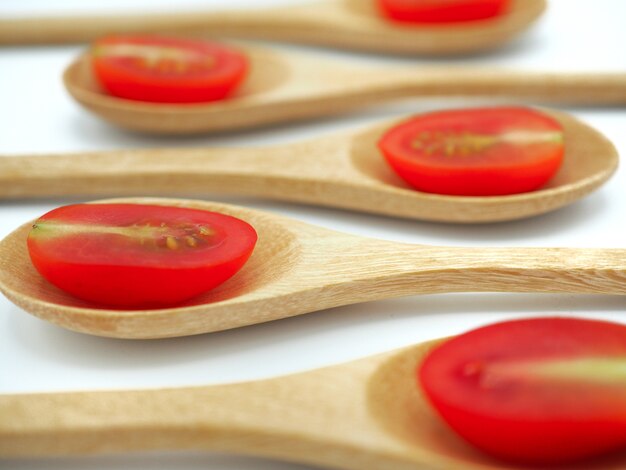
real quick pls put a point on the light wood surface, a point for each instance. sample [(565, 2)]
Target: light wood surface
[(343, 171), (350, 24), (367, 414), (298, 268), (284, 87)]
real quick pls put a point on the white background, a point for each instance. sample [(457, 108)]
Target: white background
[(37, 116)]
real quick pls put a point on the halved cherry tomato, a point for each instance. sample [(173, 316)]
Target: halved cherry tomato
[(442, 11), (138, 256), (533, 391), (476, 152), (167, 70)]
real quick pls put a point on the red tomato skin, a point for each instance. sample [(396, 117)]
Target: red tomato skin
[(534, 436), (441, 11), (133, 285), (479, 181), (480, 178), (132, 83), (549, 443)]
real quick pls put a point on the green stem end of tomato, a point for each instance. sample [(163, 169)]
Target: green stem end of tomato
[(170, 237), (467, 143), (606, 371), (151, 56)]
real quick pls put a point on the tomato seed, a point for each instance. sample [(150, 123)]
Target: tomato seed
[(171, 243)]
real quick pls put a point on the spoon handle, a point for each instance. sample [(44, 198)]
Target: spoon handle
[(270, 23), (266, 172), (77, 423), (317, 417), (572, 88), (405, 270)]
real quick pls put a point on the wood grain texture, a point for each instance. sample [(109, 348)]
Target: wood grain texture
[(367, 414), (298, 268), (345, 171), (349, 24), (284, 87)]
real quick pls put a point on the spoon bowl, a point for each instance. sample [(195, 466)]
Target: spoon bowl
[(298, 268), (344, 171), (364, 414), (348, 24), (284, 87), (268, 72)]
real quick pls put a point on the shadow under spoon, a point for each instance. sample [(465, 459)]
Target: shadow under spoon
[(298, 268), (347, 24), (285, 87), (363, 414), (344, 171)]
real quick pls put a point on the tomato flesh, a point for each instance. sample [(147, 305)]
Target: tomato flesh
[(138, 256), (535, 391), (476, 152), (167, 70), (442, 11)]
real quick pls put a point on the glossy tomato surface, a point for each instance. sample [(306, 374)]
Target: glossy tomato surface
[(167, 70), (138, 256), (534, 391), (442, 11), (476, 152)]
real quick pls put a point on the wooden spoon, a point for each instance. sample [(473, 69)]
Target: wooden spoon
[(297, 268), (345, 171), (285, 87), (350, 24), (367, 414)]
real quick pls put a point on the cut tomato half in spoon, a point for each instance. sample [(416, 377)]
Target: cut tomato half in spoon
[(442, 11), (476, 152), (535, 391), (167, 70), (138, 256)]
